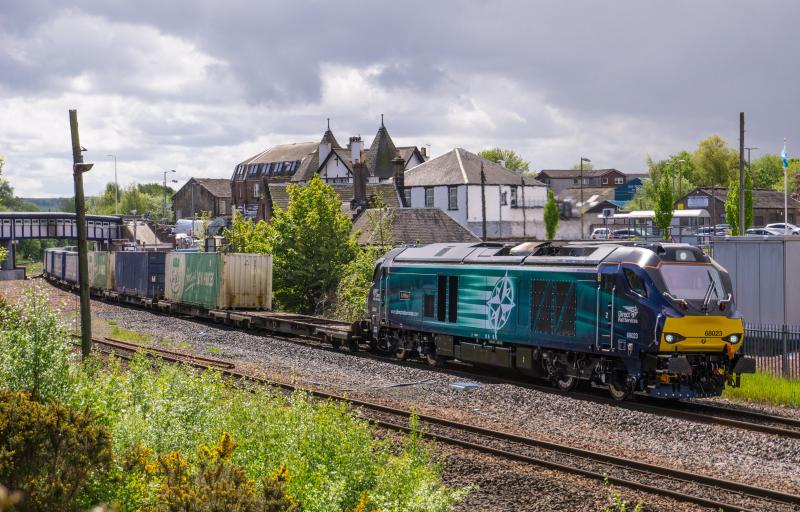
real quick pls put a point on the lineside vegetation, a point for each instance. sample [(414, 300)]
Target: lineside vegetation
[(155, 437)]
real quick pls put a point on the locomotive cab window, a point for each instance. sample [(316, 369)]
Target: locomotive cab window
[(635, 282)]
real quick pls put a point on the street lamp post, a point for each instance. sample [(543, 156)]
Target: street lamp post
[(588, 161), (164, 211), (116, 186)]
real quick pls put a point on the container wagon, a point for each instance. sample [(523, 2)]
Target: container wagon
[(101, 270), (139, 274), (219, 281)]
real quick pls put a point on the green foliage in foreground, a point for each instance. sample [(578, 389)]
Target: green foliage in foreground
[(329, 459), (764, 387), (551, 215)]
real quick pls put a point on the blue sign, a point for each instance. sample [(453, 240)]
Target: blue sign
[(626, 191)]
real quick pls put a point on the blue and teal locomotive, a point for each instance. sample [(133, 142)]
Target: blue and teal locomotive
[(655, 318)]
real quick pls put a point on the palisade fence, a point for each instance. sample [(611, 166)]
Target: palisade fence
[(776, 348)]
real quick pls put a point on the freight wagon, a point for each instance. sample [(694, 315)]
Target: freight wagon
[(139, 274)]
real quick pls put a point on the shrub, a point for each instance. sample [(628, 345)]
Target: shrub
[(353, 290), (34, 348), (49, 452), (216, 484)]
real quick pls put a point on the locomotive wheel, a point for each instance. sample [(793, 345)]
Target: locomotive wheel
[(401, 353), (434, 360), (619, 392), (352, 345), (566, 383)]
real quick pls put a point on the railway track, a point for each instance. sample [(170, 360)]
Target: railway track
[(320, 333), (699, 489)]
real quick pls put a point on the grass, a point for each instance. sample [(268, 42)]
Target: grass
[(765, 388), (126, 335), (214, 350)]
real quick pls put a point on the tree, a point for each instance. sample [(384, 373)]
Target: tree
[(511, 160), (550, 215), (791, 171), (587, 166), (311, 243), (767, 171), (732, 203), (664, 204), (647, 195), (714, 162), (246, 236)]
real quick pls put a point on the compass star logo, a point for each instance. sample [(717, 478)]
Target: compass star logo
[(500, 303)]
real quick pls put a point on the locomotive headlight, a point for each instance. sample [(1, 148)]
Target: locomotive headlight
[(733, 339), (671, 337)]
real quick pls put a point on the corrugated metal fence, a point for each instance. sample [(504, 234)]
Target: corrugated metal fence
[(776, 348)]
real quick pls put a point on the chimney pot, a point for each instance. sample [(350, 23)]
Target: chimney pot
[(356, 145), (424, 152)]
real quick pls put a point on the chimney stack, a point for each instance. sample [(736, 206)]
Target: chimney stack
[(424, 152), (356, 145), (399, 166), (359, 185)]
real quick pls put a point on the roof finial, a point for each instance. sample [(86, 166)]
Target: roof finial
[(329, 123), (381, 120)]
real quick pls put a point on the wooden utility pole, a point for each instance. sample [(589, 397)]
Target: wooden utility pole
[(78, 168), (742, 216), (483, 201)]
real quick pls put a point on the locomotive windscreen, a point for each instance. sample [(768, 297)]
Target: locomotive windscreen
[(692, 281)]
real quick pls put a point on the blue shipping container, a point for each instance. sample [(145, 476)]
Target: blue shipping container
[(139, 273)]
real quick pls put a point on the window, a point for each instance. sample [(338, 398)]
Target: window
[(255, 189), (452, 300), (407, 195), (514, 196), (222, 207), (619, 180), (267, 167), (278, 168), (635, 282), (553, 307), (428, 197), (452, 198), (503, 198), (428, 307), (605, 180), (441, 307), (585, 181), (574, 181)]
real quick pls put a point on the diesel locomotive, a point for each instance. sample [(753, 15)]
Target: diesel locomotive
[(650, 318)]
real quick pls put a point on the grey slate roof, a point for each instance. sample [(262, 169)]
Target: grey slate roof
[(220, 188), (458, 167), (588, 192), (414, 225), (762, 198), (572, 173), (380, 155), (280, 196), (283, 153)]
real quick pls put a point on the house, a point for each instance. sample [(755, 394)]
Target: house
[(299, 162), (767, 205), (352, 202), (472, 189), (560, 179), (199, 195), (411, 226)]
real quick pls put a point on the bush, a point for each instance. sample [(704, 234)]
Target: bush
[(34, 348), (352, 293), (49, 452)]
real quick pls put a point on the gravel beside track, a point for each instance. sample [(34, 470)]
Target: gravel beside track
[(750, 457)]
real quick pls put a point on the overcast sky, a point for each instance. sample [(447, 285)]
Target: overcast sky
[(200, 85)]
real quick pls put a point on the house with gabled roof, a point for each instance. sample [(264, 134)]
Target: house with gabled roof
[(475, 192), (198, 195), (560, 179), (298, 162)]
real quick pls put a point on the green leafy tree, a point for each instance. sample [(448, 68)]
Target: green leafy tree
[(767, 171), (587, 166), (732, 203), (714, 162), (791, 171), (647, 196), (311, 244), (8, 201), (246, 236), (142, 198), (551, 215), (511, 160), (664, 204)]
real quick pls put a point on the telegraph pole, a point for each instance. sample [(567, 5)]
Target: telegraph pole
[(78, 168), (742, 217)]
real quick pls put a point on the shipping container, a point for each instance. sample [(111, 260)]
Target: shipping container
[(58, 264), (71, 267), (220, 281), (101, 270), (139, 274)]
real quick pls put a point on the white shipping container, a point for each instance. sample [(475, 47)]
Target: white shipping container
[(71, 267), (247, 281)]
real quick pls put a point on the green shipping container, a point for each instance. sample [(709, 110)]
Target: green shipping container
[(219, 281), (101, 270)]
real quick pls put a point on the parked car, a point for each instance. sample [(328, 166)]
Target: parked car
[(602, 234), (709, 231), (784, 228), (764, 232), (626, 234)]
